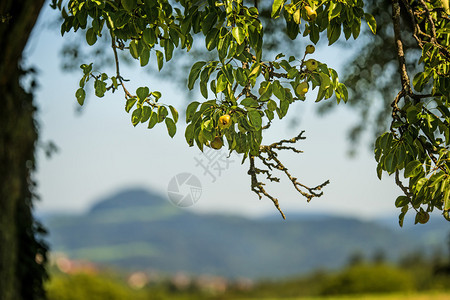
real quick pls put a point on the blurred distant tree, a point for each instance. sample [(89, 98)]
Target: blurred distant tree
[(371, 74), (22, 252), (356, 258), (368, 279), (379, 256), (84, 286)]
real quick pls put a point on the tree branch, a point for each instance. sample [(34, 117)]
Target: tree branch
[(406, 86), (119, 77), (269, 157)]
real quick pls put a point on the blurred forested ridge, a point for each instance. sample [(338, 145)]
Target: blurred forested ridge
[(137, 229)]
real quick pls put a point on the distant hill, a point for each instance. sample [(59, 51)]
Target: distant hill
[(138, 229)]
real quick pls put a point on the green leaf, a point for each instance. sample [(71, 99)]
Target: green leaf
[(436, 179), (412, 114), (333, 33), (153, 120), (142, 93), (292, 73), (221, 83), (100, 88), (390, 162), (447, 196), (146, 113), (133, 49), (401, 201), (276, 8), (385, 141), (413, 168), (314, 33), (238, 34), (156, 94), (190, 110), (356, 28), (401, 217), (204, 78), (209, 21), (204, 89), (211, 39), (160, 59), (419, 80), (130, 103), (241, 78), (255, 118), (136, 116), (129, 5), (255, 70), (278, 90), (379, 170), (296, 16), (320, 94), (284, 106), (292, 29), (189, 134), (401, 155), (162, 113), (343, 91), (335, 10), (171, 127), (144, 57), (149, 36), (91, 37), (270, 115), (80, 95), (228, 72), (265, 90), (271, 105), (249, 102), (347, 31), (371, 22), (168, 49), (285, 65), (174, 113), (195, 73)]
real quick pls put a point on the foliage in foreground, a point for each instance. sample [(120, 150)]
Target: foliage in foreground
[(245, 88)]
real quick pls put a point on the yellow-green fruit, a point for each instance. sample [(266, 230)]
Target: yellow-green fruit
[(311, 64), (302, 88), (310, 49), (225, 121), (423, 217), (217, 143), (311, 13)]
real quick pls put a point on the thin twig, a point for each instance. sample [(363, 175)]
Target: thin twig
[(269, 158), (116, 58)]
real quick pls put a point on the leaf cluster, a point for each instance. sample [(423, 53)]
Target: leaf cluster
[(248, 90), (419, 137)]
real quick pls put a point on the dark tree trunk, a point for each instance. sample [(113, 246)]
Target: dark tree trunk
[(21, 275)]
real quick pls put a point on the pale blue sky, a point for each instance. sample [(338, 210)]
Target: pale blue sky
[(102, 153)]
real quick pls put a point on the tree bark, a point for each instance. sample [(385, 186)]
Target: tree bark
[(20, 275)]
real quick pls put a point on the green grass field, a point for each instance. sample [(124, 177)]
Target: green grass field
[(399, 296)]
